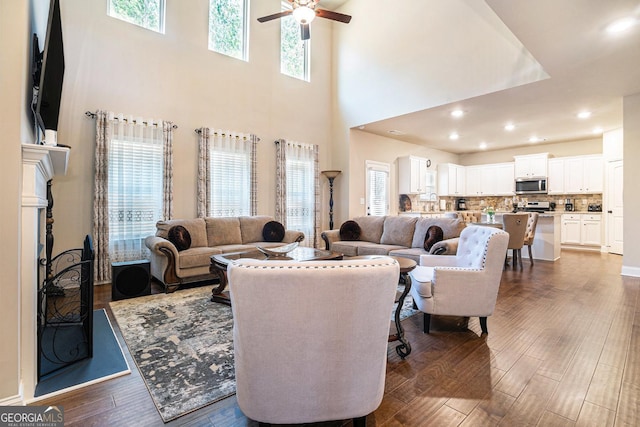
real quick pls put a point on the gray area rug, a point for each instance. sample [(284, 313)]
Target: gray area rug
[(182, 344)]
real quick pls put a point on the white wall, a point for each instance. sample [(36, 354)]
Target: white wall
[(14, 60), (117, 66), (365, 146), (613, 145), (394, 56), (631, 129), (560, 149)]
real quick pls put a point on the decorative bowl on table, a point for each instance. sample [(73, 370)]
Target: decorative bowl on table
[(278, 251)]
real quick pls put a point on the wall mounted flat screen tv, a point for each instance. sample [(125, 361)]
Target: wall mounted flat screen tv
[(51, 69)]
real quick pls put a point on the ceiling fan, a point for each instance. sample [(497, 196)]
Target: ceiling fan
[(304, 11)]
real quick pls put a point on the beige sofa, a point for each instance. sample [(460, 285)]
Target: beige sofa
[(209, 236), (396, 235)]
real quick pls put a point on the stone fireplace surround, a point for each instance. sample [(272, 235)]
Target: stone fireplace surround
[(40, 164)]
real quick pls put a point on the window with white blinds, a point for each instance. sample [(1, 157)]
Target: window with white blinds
[(301, 196), (230, 178), (135, 190), (377, 188)]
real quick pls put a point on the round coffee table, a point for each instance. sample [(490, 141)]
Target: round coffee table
[(220, 262), (406, 265)]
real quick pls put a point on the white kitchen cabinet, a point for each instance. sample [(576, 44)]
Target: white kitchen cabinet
[(476, 178), (593, 174), (531, 165), (555, 177), (570, 232), (451, 180), (490, 180), (503, 179), (591, 229), (581, 229), (583, 174), (412, 175)]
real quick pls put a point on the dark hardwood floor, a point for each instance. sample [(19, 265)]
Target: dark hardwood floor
[(563, 350)]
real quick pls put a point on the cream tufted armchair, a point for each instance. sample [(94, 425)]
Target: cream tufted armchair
[(465, 284), (310, 338)]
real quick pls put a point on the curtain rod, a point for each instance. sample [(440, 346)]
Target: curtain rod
[(93, 116), (199, 132)]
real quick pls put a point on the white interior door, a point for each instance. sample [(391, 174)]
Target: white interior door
[(613, 209), (378, 188)]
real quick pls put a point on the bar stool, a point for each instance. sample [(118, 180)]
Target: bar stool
[(516, 225), (531, 231)]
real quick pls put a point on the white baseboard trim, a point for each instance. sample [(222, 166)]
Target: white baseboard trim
[(630, 271), (16, 400)]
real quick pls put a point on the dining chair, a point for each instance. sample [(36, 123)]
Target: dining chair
[(516, 225), (532, 222)]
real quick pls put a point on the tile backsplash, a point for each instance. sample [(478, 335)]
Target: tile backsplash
[(504, 203)]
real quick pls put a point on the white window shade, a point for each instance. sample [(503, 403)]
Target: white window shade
[(135, 186), (230, 177)]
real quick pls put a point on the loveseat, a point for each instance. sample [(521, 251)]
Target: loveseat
[(175, 262), (394, 235)]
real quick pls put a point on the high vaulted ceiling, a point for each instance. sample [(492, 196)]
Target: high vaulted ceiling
[(588, 69)]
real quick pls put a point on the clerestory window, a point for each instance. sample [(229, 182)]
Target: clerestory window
[(148, 14), (228, 27), (294, 52)]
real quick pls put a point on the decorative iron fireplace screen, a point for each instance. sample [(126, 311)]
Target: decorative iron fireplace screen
[(65, 310)]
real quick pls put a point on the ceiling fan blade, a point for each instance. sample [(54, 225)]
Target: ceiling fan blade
[(274, 16), (305, 32), (323, 13)]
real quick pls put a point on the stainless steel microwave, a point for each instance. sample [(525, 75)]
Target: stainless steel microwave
[(531, 185)]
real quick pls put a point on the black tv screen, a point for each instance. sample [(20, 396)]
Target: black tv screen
[(51, 72)]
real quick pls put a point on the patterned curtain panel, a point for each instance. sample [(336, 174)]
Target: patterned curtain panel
[(102, 265), (133, 186), (203, 173), (227, 180), (298, 189), (167, 178), (281, 182)]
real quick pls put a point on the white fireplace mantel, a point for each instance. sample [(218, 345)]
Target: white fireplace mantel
[(40, 163)]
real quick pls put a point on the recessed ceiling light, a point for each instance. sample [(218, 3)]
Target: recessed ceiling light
[(509, 127), (534, 139), (396, 132), (360, 127), (621, 25), (597, 131), (454, 136), (584, 114), (457, 113), (483, 145)]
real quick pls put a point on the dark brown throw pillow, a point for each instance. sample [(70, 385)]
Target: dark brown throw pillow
[(180, 237), (273, 231), (350, 230), (434, 235)]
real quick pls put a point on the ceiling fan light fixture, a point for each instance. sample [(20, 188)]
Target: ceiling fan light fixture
[(303, 14)]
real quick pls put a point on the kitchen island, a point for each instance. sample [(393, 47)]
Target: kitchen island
[(546, 242)]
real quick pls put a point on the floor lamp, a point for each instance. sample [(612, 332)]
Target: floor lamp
[(331, 175)]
